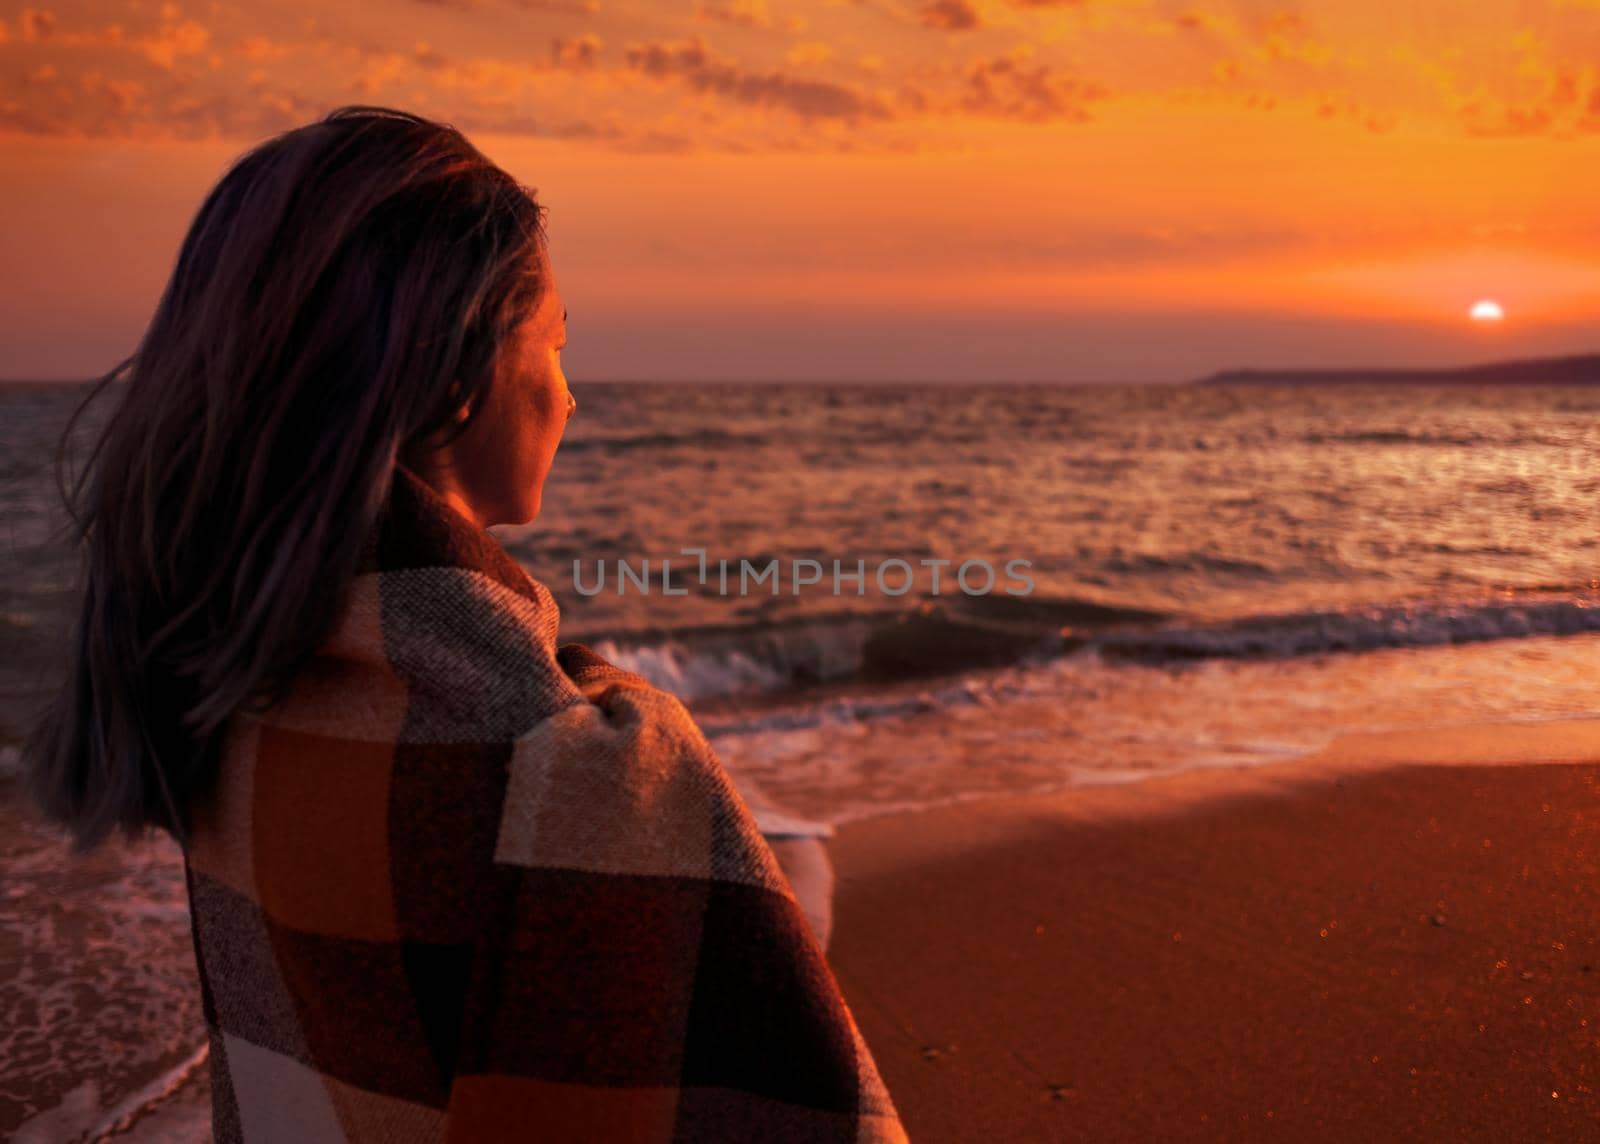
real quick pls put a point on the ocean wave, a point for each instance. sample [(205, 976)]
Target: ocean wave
[(976, 633), (1370, 629), (933, 637)]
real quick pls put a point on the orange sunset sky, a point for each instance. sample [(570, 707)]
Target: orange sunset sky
[(955, 190)]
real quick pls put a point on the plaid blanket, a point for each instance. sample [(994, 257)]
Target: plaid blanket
[(464, 884)]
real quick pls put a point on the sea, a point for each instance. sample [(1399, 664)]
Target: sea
[(884, 597)]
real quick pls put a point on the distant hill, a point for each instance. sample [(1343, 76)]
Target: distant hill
[(1581, 370)]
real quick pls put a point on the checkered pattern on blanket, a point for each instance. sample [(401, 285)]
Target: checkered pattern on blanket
[(464, 884)]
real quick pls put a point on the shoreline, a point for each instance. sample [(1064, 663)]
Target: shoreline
[(1390, 939), (1001, 818), (1180, 957)]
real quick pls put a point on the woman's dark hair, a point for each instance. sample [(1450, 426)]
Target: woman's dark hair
[(342, 295)]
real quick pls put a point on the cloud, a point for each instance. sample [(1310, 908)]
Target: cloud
[(1197, 21), (750, 13), (1009, 87), (1488, 119), (1265, 55), (376, 70), (1267, 32), (576, 52), (1287, 35), (810, 52), (950, 15), (1376, 120), (755, 91), (163, 43), (112, 81), (1531, 88), (691, 63), (261, 48), (97, 106), (173, 40), (1565, 99)]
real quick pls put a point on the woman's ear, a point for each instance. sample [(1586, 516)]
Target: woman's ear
[(456, 391)]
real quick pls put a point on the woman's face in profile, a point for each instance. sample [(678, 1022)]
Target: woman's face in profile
[(495, 471)]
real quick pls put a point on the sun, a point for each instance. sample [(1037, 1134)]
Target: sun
[(1487, 311)]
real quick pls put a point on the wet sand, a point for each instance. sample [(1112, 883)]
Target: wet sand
[(1346, 948)]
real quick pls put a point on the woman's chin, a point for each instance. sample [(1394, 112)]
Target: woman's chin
[(528, 511)]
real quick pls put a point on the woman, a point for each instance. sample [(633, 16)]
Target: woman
[(448, 880)]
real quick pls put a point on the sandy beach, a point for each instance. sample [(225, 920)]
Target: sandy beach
[(1396, 939), (1345, 948)]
